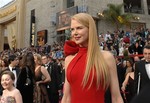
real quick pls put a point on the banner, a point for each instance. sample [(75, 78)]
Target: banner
[(63, 18), (32, 31), (41, 37)]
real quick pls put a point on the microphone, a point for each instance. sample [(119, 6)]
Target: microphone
[(139, 80)]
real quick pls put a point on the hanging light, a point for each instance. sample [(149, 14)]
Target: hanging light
[(136, 17), (100, 14)]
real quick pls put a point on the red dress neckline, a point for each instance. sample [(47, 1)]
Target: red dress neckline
[(70, 48)]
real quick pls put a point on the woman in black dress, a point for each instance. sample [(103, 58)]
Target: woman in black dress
[(27, 69), (128, 86)]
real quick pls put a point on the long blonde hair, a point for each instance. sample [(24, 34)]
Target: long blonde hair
[(96, 63), (39, 58)]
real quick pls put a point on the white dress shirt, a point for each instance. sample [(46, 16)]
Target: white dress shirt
[(147, 66), (14, 72)]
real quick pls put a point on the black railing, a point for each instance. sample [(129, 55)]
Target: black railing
[(134, 10)]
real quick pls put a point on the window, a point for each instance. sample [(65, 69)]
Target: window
[(33, 12), (133, 6), (70, 3), (4, 3), (148, 5)]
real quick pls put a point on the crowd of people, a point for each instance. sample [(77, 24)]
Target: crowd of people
[(37, 75), (88, 68)]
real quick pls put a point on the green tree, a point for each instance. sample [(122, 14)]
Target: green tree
[(114, 14)]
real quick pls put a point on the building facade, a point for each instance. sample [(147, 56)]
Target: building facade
[(25, 23)]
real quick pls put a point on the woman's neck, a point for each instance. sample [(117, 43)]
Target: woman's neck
[(37, 65), (11, 88)]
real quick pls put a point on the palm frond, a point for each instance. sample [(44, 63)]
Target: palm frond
[(115, 15)]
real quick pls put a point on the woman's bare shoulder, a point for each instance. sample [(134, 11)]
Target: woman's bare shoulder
[(42, 67), (16, 91), (68, 59), (107, 54), (131, 73), (109, 58), (4, 91)]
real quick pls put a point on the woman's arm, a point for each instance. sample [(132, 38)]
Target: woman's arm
[(46, 75), (124, 84), (114, 85), (66, 93), (18, 96), (66, 97)]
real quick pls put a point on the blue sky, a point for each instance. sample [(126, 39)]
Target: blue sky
[(4, 2)]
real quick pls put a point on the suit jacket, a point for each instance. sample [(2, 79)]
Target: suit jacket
[(144, 95), (54, 71), (121, 73), (17, 70), (144, 79), (7, 69)]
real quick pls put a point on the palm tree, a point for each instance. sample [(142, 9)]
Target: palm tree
[(114, 14)]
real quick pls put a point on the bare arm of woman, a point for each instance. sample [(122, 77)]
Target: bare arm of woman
[(114, 85), (123, 88), (46, 75), (66, 97), (18, 96)]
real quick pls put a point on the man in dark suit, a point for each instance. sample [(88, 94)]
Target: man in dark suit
[(53, 88), (121, 74), (13, 62), (120, 71), (142, 71), (144, 95)]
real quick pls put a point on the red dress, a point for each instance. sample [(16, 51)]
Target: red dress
[(75, 73)]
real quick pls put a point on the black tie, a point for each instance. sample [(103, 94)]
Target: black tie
[(147, 62), (13, 69), (46, 65)]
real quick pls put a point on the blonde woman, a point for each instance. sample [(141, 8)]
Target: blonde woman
[(89, 71), (42, 78)]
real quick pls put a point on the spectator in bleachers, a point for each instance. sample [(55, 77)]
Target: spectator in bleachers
[(113, 50), (126, 39), (138, 49), (136, 58), (146, 33), (135, 48), (107, 36)]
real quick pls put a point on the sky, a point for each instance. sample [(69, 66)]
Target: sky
[(4, 2)]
